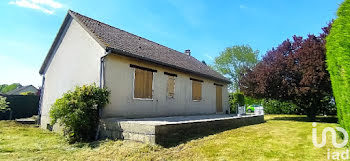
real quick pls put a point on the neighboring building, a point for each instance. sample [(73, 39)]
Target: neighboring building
[(146, 79), (23, 89)]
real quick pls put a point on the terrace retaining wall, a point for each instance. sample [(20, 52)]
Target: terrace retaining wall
[(172, 133)]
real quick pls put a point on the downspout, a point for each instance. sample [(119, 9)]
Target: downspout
[(102, 74), (41, 99), (102, 83)]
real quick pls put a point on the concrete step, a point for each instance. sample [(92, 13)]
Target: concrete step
[(26, 121)]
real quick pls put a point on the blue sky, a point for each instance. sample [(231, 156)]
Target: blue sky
[(28, 27)]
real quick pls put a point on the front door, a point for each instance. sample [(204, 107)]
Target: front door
[(218, 99)]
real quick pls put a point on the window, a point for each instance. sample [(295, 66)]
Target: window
[(143, 83), (171, 87), (170, 84), (196, 90)]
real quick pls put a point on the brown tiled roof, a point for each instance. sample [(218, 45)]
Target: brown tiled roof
[(122, 42)]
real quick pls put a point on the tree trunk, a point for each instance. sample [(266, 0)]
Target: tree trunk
[(311, 111)]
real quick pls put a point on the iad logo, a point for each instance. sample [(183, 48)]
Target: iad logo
[(336, 155), (324, 136)]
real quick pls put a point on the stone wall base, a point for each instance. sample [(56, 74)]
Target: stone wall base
[(172, 133)]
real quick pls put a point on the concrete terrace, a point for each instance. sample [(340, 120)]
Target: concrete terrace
[(168, 131), (177, 119)]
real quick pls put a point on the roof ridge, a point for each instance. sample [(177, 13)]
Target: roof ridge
[(125, 31), (130, 44)]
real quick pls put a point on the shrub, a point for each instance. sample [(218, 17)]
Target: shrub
[(3, 104), (250, 101), (277, 107), (27, 93), (78, 112), (328, 106), (338, 56), (236, 99)]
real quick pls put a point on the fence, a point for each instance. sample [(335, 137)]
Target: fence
[(241, 110), (21, 106), (259, 110)]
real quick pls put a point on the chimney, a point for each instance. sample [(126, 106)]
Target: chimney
[(188, 52)]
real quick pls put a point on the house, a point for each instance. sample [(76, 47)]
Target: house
[(146, 79), (23, 89)]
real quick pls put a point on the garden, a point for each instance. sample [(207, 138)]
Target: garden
[(282, 137), (302, 85)]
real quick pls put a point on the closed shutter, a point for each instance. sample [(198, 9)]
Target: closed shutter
[(218, 99), (196, 90), (143, 84), (171, 86)]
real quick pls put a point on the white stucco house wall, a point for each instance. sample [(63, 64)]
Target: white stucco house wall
[(146, 79)]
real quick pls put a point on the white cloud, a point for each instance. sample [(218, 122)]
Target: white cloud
[(50, 3), (209, 57), (46, 6)]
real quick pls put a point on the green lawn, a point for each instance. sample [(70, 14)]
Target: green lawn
[(282, 137)]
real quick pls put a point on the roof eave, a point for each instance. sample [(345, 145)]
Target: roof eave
[(115, 51), (124, 53), (60, 32), (99, 41), (52, 48)]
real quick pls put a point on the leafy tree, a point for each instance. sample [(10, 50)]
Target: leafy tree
[(7, 88), (78, 112), (3, 104), (338, 61), (2, 86), (234, 60), (293, 72)]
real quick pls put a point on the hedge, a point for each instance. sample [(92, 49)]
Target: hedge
[(21, 106), (236, 99), (338, 62), (278, 107)]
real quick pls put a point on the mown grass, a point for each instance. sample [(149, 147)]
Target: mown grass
[(282, 137)]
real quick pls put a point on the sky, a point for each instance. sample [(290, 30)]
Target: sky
[(206, 27)]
